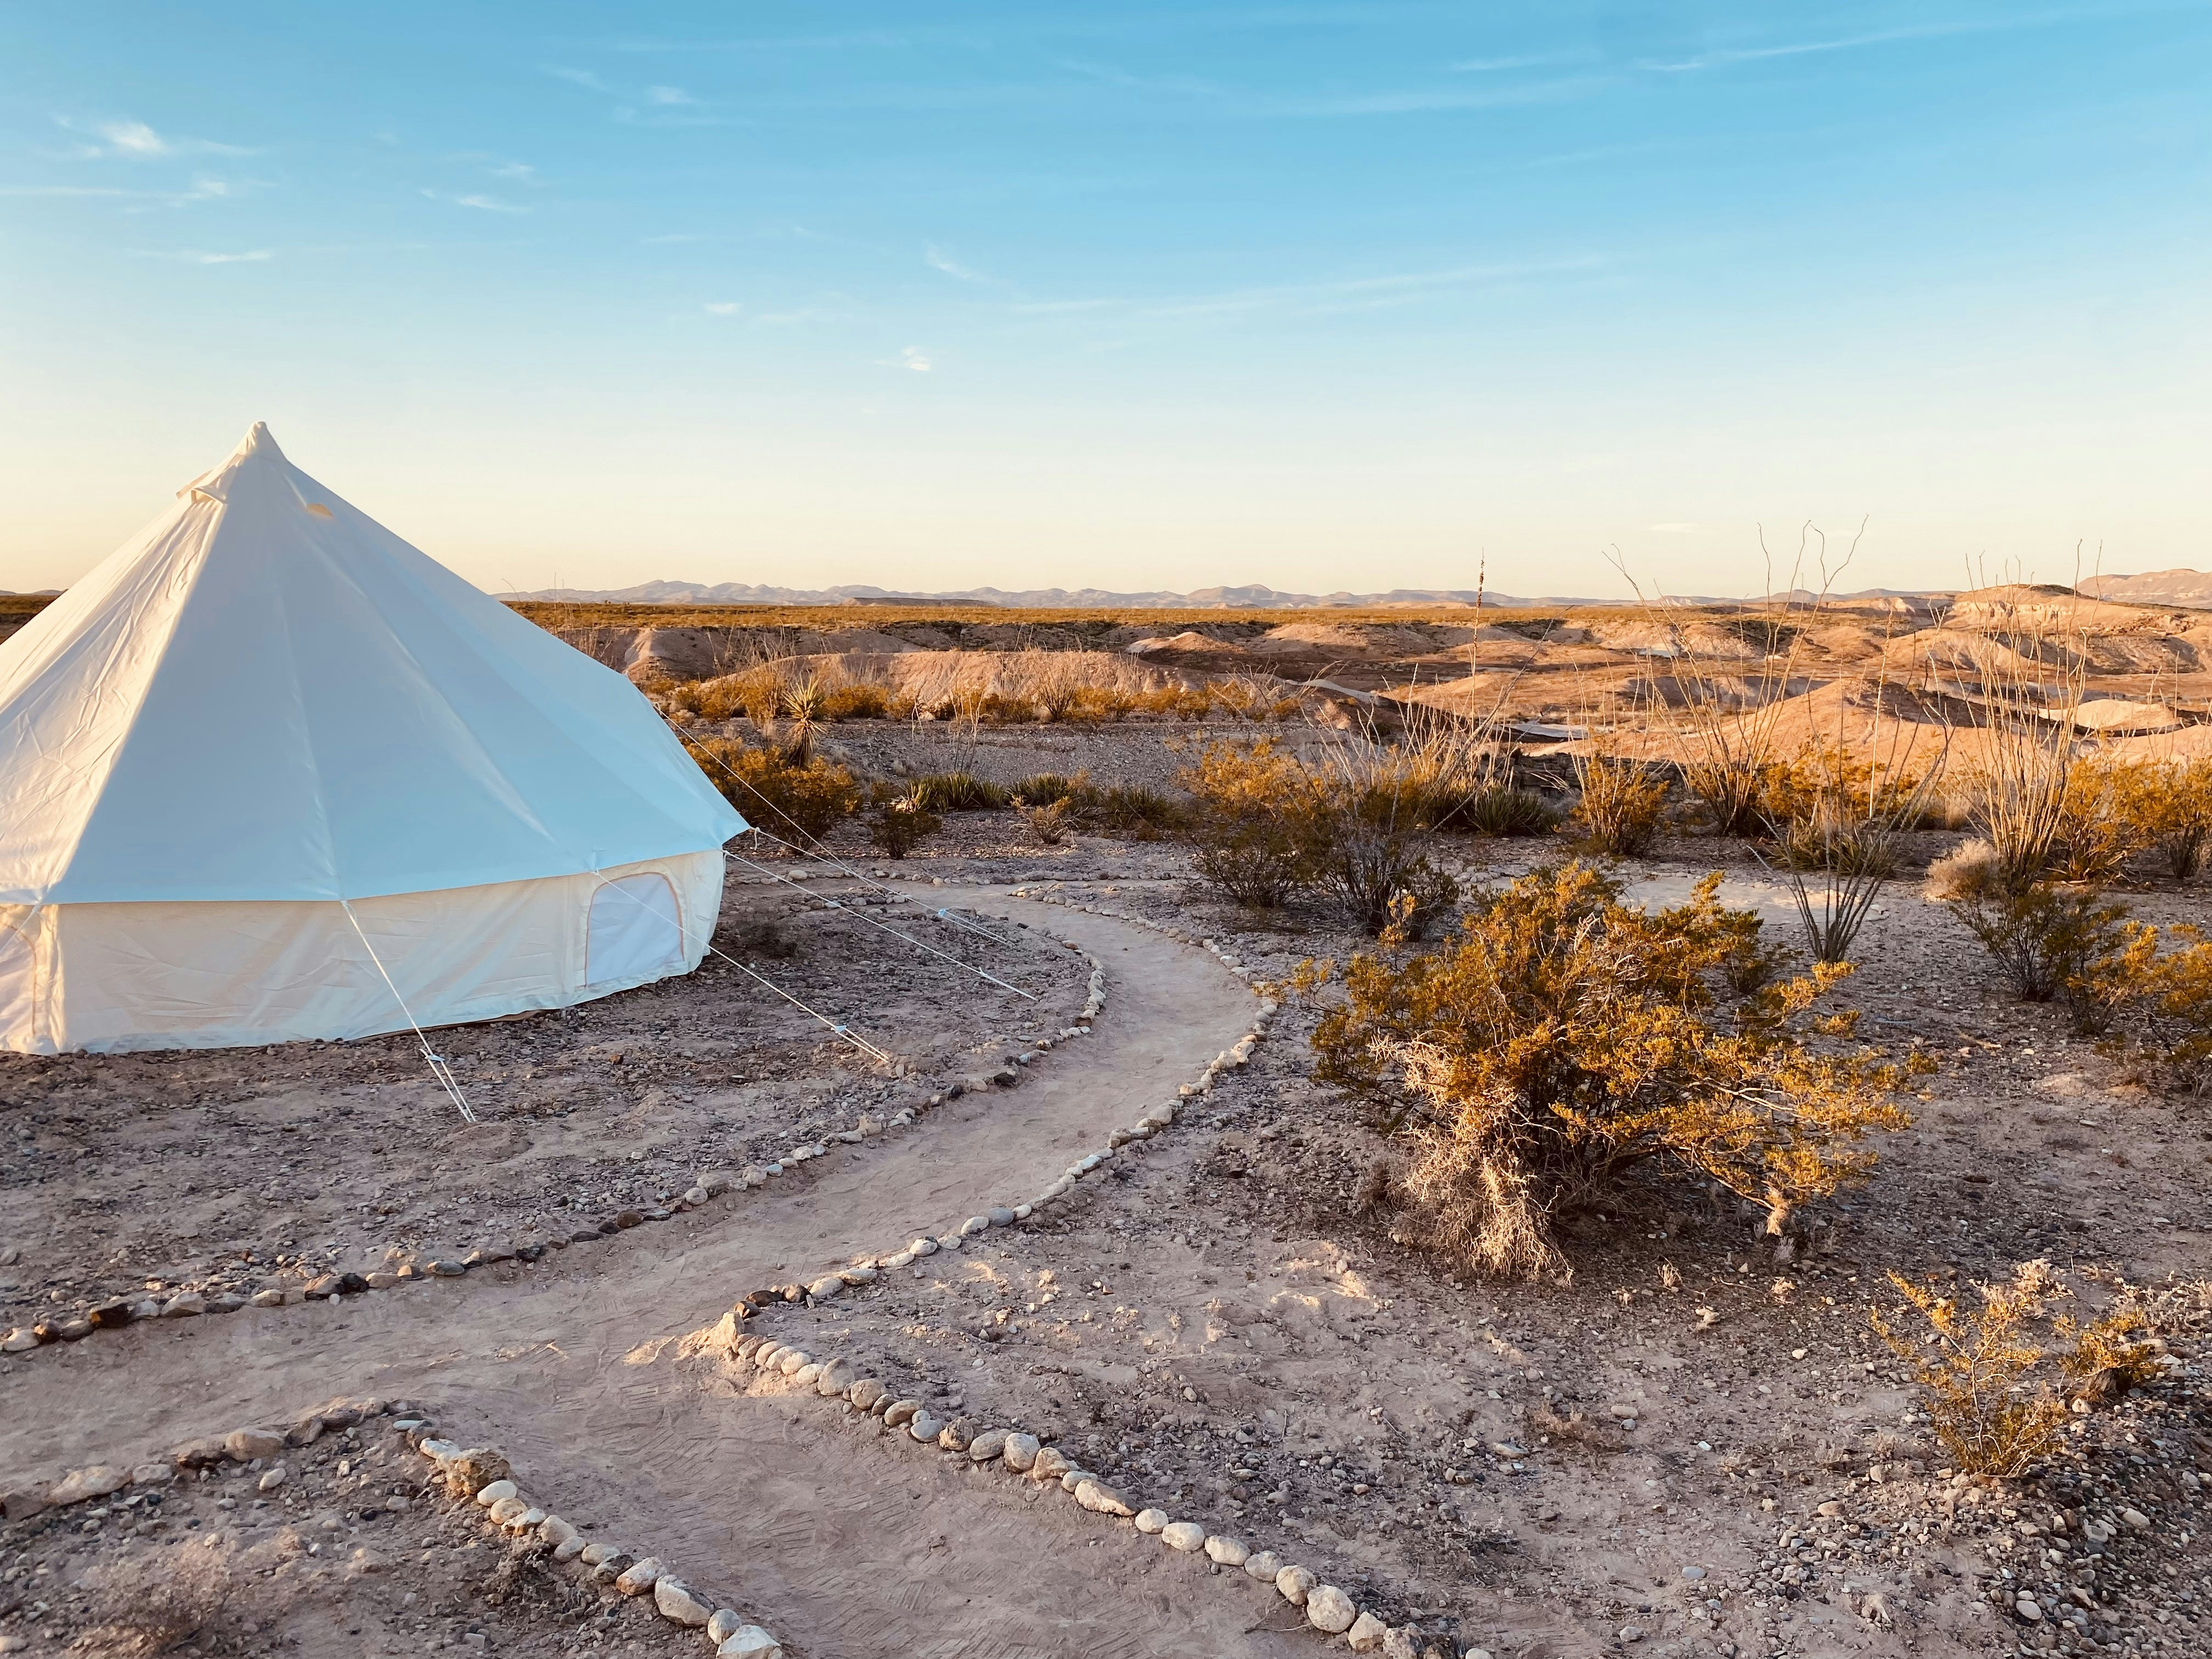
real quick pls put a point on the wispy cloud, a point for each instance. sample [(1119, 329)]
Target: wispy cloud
[(667, 96), (938, 259), (136, 141), (913, 358), (521, 172), (1345, 293), (201, 189), (201, 257), (723, 308), (574, 76), (480, 203), (1940, 29), (1534, 60)]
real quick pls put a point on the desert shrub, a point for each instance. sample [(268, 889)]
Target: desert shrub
[(2018, 800), (777, 792), (900, 824), (1621, 802), (2176, 803), (755, 693), (2104, 818), (1049, 820), (855, 703), (1562, 1038), (2172, 991), (2109, 1356), (1977, 1376), (2051, 942), (1256, 829), (958, 791), (1969, 868), (1382, 881), (1502, 810)]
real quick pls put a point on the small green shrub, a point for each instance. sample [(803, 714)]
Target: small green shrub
[(1257, 829), (2051, 942), (1045, 788), (1503, 810)]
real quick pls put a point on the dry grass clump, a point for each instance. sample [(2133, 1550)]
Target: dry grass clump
[(1562, 1039)]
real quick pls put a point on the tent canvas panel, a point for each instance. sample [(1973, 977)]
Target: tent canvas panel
[(128, 977)]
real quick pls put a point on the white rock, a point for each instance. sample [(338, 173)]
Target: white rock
[(555, 1532), (749, 1642), (1329, 1609), (987, 1447), (273, 1477), (1186, 1535), (724, 1623), (1021, 1451), (1402, 1644), (506, 1509), (569, 1549), (808, 1375), (1263, 1565), (1151, 1520), (1366, 1634), (827, 1285), (925, 1426), (675, 1603), (1229, 1552), (640, 1576), (1102, 1499), (496, 1490), (790, 1359)]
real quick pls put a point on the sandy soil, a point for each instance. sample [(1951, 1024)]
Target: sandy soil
[(1215, 1325)]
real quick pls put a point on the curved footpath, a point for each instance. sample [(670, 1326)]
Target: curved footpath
[(567, 1366)]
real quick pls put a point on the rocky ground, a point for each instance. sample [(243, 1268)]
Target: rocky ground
[(236, 1173), (1691, 1448)]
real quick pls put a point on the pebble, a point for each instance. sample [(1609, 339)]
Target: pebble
[(18, 1341), (1151, 1521), (1329, 1609), (271, 1478), (244, 1445), (640, 1576), (924, 1427), (722, 1625), (674, 1603), (866, 1393), (440, 1269), (2135, 1518), (506, 1509), (1050, 1464), (1694, 1573), (1295, 1583), (901, 1412), (496, 1492), (974, 1224), (1229, 1552), (791, 1361), (955, 1435), (2027, 1608), (569, 1549), (554, 1532), (1021, 1451), (999, 1215), (1263, 1565), (986, 1446), (1186, 1535), (827, 1285), (808, 1376), (152, 1475), (185, 1304), (836, 1377)]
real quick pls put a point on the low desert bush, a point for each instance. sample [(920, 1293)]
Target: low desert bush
[(1561, 1039), (2177, 808), (1996, 1390), (1042, 788), (1383, 882), (856, 702), (2053, 943), (776, 792), (1256, 830), (1621, 803), (1049, 820), (1129, 811), (2104, 818), (1988, 1410), (958, 791), (900, 824)]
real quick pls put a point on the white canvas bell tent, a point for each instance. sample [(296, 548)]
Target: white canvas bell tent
[(268, 773)]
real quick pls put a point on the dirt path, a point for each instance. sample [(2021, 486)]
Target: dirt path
[(567, 1366)]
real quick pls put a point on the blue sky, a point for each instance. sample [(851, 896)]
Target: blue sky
[(1324, 296)]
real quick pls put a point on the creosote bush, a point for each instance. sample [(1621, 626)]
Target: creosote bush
[(1560, 1039), (1621, 802), (2053, 943), (776, 792), (1996, 1390)]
